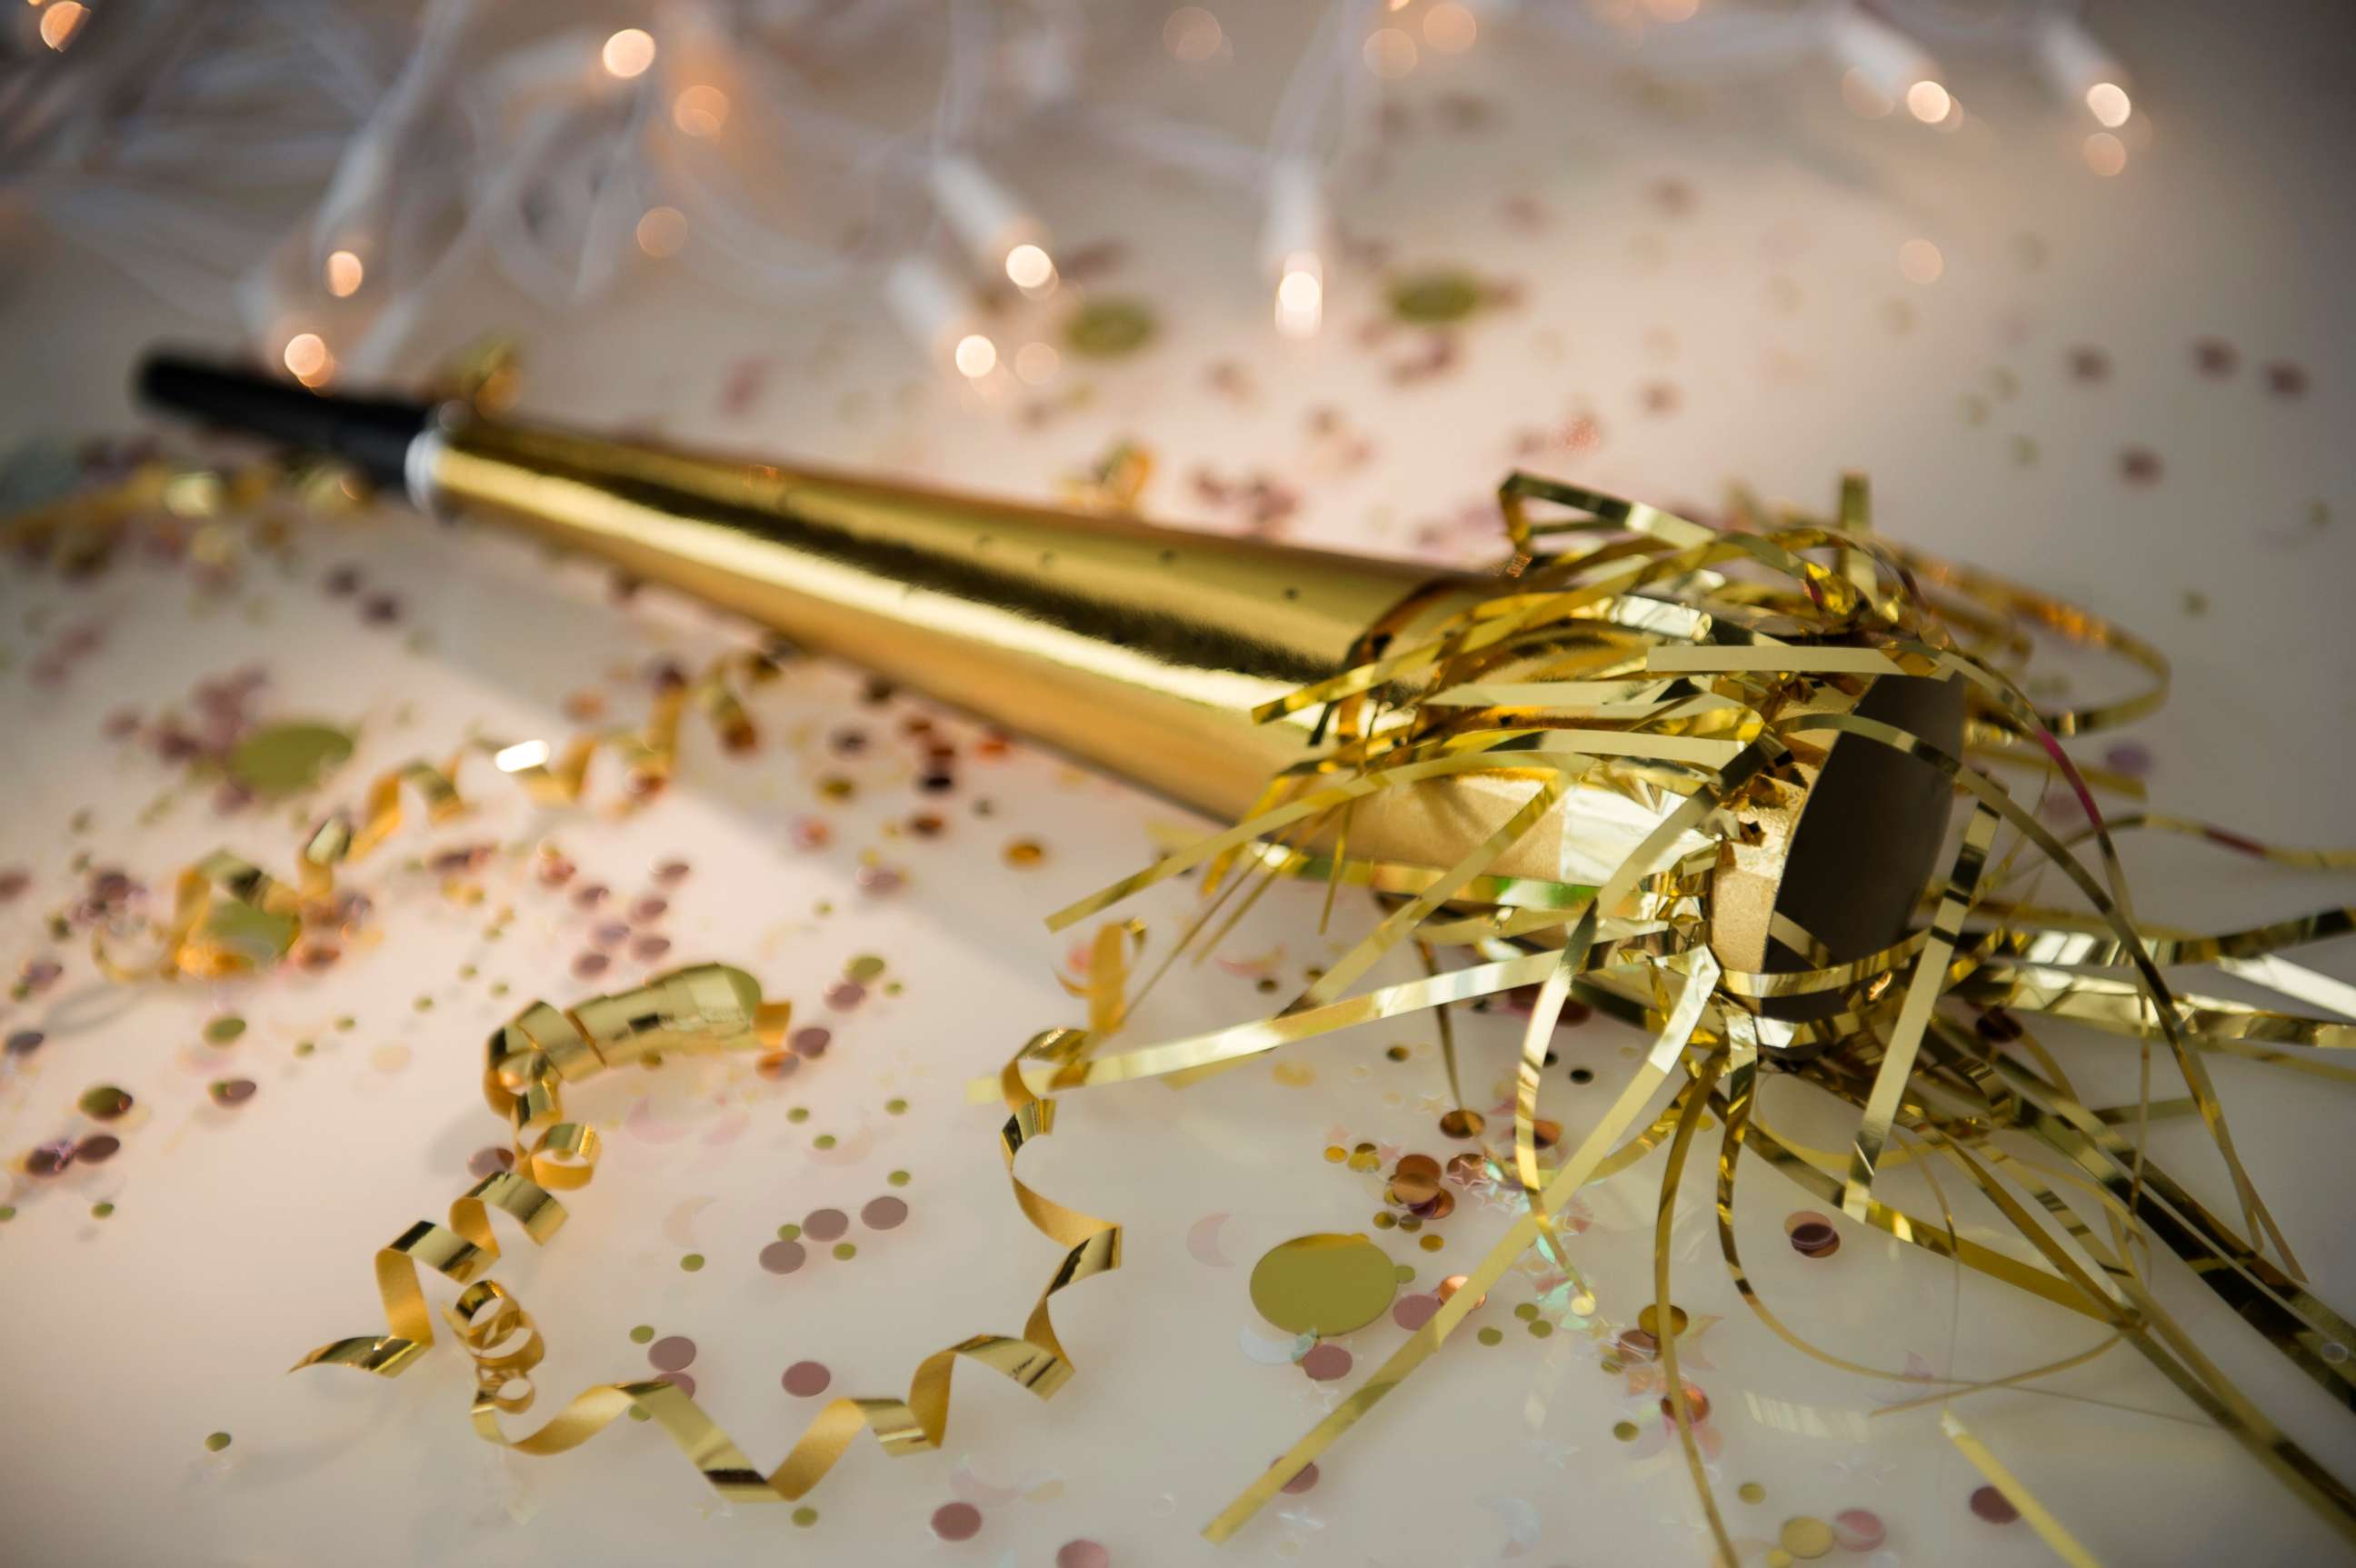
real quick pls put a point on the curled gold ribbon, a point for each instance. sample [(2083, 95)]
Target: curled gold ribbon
[(707, 1008)]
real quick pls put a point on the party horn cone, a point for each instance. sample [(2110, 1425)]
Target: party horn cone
[(1162, 656)]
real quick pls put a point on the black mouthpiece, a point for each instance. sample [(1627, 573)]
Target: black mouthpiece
[(372, 433)]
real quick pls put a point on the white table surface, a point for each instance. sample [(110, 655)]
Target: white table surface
[(1737, 246)]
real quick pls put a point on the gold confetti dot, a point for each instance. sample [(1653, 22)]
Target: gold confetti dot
[(823, 1141), (100, 1210), (1462, 1123), (898, 1178), (845, 1250), (1806, 1536), (1025, 852), (1752, 1492), (896, 1107), (1491, 1337), (216, 1441), (691, 1263), (1323, 1284), (863, 968), (1432, 1243), (1625, 1431), (1649, 1321), (281, 760), (220, 1031), (805, 1517), (642, 1333), (1335, 1154), (789, 1232)]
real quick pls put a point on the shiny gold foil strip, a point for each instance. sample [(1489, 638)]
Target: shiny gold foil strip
[(703, 1009)]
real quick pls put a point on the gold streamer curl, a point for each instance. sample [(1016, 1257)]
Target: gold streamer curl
[(708, 1009)]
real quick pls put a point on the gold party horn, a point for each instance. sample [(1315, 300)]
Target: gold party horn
[(1170, 657)]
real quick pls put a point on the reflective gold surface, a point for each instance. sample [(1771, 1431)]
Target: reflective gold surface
[(1139, 650)]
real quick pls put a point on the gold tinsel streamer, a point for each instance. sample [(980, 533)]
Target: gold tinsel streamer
[(230, 915), (707, 1008), (1705, 674), (1579, 669)]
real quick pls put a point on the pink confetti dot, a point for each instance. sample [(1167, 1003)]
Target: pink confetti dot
[(1858, 1530), (671, 1353), (884, 1213), (783, 1257), (1326, 1362), (1993, 1506), (824, 1224), (812, 1042), (681, 1382), (1303, 1482), (1412, 1312), (956, 1521), (1082, 1555), (808, 1379)]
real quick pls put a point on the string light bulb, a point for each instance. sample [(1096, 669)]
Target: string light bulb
[(975, 356), (935, 314), (307, 359), (344, 273), (1300, 297), (2080, 71), (1029, 269), (1292, 245), (995, 229), (1885, 65), (701, 111), (628, 53)]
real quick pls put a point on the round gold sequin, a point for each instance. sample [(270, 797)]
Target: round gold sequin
[(1323, 1284), (1416, 1179), (216, 1441), (1806, 1536), (1025, 852), (1462, 1123), (1625, 1431), (104, 1102), (1649, 1321), (1752, 1492)]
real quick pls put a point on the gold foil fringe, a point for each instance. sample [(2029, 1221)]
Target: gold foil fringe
[(1663, 659)]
